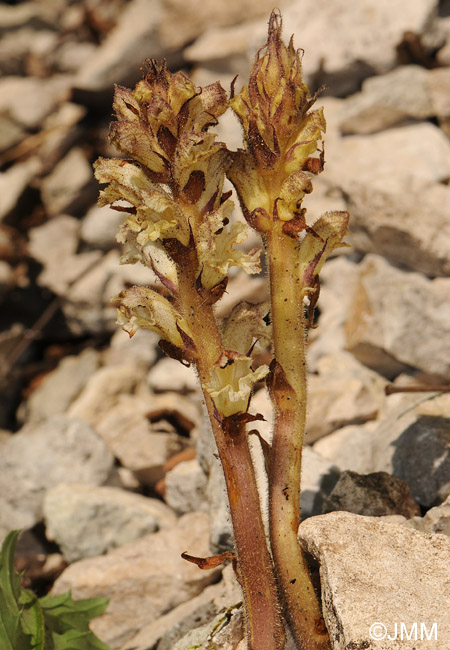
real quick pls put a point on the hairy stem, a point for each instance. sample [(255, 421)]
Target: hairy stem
[(264, 627), (288, 391)]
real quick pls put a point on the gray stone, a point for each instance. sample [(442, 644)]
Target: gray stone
[(439, 88), (88, 521), (394, 160), (412, 442), (329, 406), (42, 456), (99, 227), (372, 495), (170, 374), (225, 631), (319, 477), (13, 183), (141, 446), (409, 228), (338, 280), (70, 187), (186, 488), (387, 100), (30, 100), (378, 572), (165, 631), (349, 447), (399, 320), (119, 57), (143, 579), (54, 245), (61, 387), (436, 520)]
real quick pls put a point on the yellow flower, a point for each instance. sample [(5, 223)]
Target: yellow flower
[(232, 381)]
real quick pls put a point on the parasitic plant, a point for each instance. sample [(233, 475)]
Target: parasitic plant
[(178, 223)]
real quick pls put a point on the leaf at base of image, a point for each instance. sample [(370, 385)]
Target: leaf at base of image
[(49, 623)]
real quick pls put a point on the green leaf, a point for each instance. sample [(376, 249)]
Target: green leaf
[(67, 622), (49, 623), (17, 606)]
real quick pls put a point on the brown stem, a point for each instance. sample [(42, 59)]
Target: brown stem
[(390, 389), (288, 391), (264, 627)]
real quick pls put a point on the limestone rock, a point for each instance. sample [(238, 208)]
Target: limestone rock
[(30, 100), (103, 390), (370, 571), (165, 631), (409, 228), (436, 520), (186, 487), (329, 406), (128, 44), (141, 349), (42, 456), (388, 99), (70, 187), (439, 88), (54, 245), (88, 521), (141, 446), (394, 160), (350, 447), (338, 281), (399, 320), (99, 227), (61, 387), (13, 183), (224, 631), (319, 477), (170, 374), (412, 443), (372, 495), (143, 579)]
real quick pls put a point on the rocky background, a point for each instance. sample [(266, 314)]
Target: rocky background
[(106, 459)]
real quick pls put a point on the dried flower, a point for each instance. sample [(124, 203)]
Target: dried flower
[(140, 307)]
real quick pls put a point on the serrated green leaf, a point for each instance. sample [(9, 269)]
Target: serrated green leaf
[(67, 622), (16, 624)]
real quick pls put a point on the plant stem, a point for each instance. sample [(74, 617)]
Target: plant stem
[(264, 627), (301, 604)]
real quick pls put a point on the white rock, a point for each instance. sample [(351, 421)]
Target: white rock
[(39, 457), (394, 160), (349, 447), (54, 245), (29, 100), (118, 59), (186, 488), (143, 579), (14, 181), (338, 281), (361, 560), (411, 229), (103, 391), (170, 374), (166, 630), (329, 406), (436, 520), (88, 521), (61, 387), (70, 187), (399, 319), (135, 441), (140, 349), (411, 442), (99, 227), (388, 99)]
